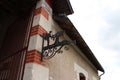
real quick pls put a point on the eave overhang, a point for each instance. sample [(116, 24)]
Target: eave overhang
[(70, 30), (62, 7)]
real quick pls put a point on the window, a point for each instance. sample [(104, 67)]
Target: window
[(81, 73), (82, 76)]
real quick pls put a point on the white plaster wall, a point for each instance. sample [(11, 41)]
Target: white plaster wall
[(42, 21), (36, 20), (35, 43), (95, 78), (66, 66), (34, 71), (28, 72), (45, 23)]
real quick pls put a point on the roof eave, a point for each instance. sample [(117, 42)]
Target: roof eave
[(70, 30), (62, 7)]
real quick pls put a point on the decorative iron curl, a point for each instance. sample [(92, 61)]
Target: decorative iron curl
[(52, 52), (52, 49)]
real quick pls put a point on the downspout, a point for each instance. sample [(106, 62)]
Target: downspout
[(101, 75)]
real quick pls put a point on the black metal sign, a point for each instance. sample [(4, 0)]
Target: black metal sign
[(49, 50)]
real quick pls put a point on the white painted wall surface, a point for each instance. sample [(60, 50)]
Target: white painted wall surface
[(35, 71), (35, 43)]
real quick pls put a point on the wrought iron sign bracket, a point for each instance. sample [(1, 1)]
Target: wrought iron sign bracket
[(49, 50)]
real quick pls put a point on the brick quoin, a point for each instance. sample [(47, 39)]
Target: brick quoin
[(34, 56), (42, 11), (37, 30)]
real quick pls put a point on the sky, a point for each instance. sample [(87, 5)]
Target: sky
[(98, 22)]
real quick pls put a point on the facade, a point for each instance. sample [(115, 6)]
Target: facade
[(25, 49)]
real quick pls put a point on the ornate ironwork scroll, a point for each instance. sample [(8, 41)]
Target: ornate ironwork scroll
[(49, 50)]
